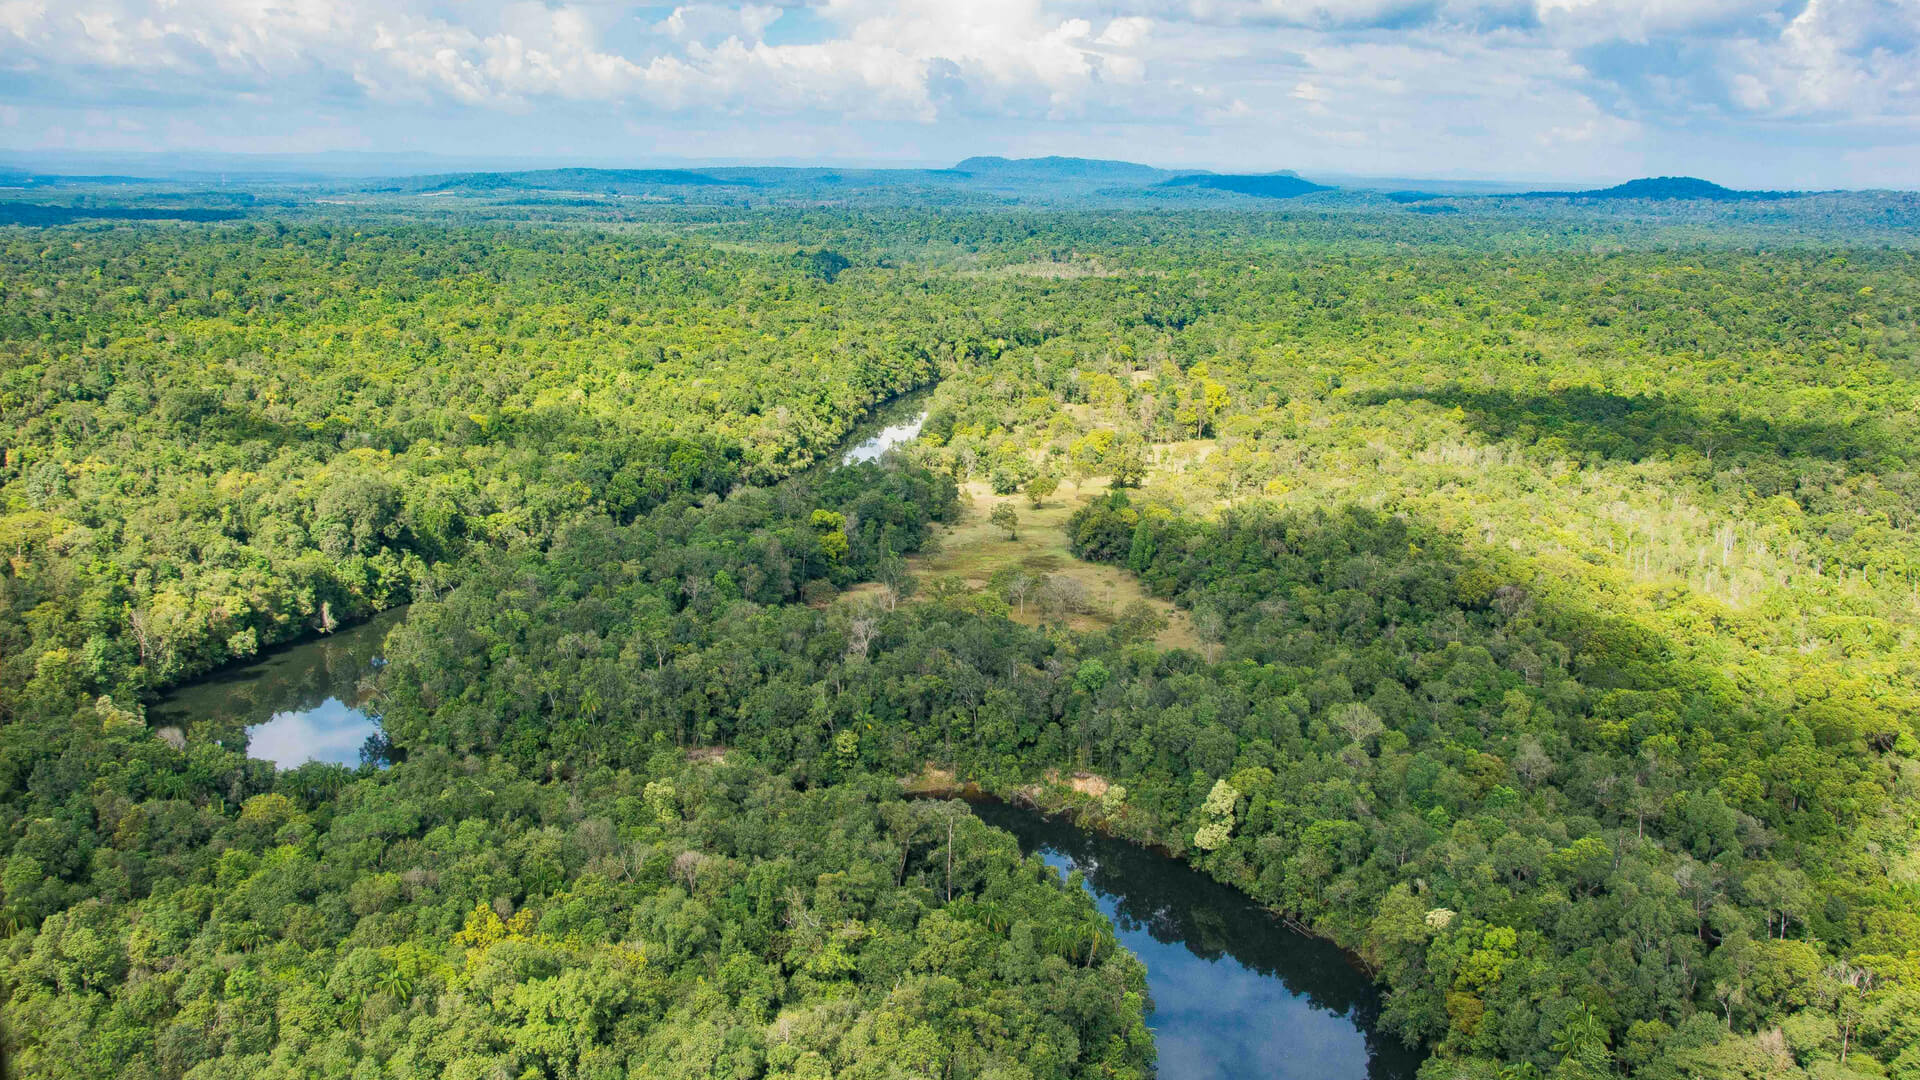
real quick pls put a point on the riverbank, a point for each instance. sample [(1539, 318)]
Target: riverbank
[(1083, 799), (301, 701), (1238, 989)]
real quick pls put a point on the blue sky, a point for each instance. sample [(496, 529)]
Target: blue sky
[(1803, 93)]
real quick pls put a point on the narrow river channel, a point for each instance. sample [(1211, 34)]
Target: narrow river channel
[(892, 424), (1236, 993)]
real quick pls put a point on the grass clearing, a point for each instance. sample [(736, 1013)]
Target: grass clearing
[(973, 550)]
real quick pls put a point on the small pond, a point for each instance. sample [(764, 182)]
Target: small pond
[(1236, 993), (296, 703)]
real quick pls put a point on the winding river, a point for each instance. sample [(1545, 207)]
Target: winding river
[(892, 424), (1236, 992), (305, 702)]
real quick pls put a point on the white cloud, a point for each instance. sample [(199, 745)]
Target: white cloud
[(885, 58), (1838, 58), (1490, 82), (1587, 21), (21, 17), (710, 22), (1125, 32)]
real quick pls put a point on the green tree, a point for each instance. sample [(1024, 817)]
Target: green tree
[(1128, 463), (1005, 518), (1040, 487)]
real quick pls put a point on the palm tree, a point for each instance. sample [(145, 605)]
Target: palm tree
[(1582, 1038), (248, 936), (994, 917), (397, 982)]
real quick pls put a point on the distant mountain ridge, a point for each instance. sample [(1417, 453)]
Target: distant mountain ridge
[(21, 178), (1056, 175), (994, 179), (1666, 188), (1280, 185), (1276, 185), (577, 180), (1060, 168)]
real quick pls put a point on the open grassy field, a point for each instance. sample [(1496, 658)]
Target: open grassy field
[(973, 551)]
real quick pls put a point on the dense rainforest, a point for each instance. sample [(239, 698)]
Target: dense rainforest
[(1552, 585)]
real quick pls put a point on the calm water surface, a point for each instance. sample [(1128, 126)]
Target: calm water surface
[(1236, 993), (892, 424), (886, 439), (295, 704)]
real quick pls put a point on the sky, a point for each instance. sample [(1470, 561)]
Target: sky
[(1758, 93)]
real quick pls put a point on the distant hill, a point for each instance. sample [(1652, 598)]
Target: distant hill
[(578, 180), (1060, 168), (1041, 178), (1665, 188), (19, 213), (1266, 185), (19, 178)]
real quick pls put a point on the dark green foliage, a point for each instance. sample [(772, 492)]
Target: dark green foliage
[(1107, 530), (1666, 187), (19, 213), (823, 264), (455, 917), (1394, 722), (261, 431), (1270, 186), (1552, 584)]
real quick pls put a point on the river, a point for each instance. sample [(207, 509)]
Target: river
[(895, 423), (296, 703), (1236, 992), (304, 702)]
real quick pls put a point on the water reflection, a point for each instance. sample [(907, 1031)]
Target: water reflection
[(886, 439), (889, 425), (1236, 993), (295, 704)]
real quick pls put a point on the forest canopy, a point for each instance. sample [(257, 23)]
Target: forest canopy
[(1549, 586)]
